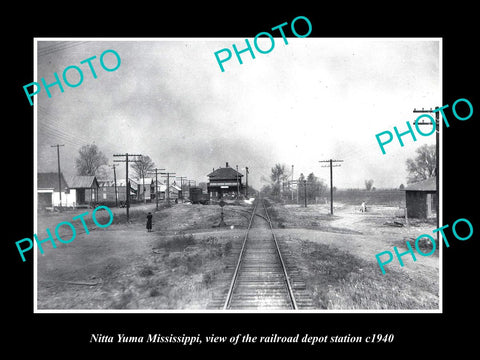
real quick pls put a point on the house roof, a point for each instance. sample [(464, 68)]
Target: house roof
[(163, 187), (50, 181), (82, 181), (148, 180), (120, 182), (176, 187), (224, 173), (425, 185)]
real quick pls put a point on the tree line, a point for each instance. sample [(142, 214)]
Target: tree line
[(281, 186), (93, 162)]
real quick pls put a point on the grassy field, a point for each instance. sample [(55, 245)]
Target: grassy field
[(125, 267), (386, 197), (336, 256), (187, 261)]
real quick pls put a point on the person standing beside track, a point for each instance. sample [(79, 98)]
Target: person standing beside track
[(149, 222)]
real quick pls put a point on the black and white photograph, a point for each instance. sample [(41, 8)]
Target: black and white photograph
[(222, 179), (262, 188)]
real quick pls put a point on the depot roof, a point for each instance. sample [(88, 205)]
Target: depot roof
[(224, 173)]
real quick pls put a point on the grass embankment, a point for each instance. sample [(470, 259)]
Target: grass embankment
[(340, 280), (336, 257), (182, 264), (180, 273)]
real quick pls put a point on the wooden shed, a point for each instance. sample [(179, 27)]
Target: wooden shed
[(85, 189), (421, 199)]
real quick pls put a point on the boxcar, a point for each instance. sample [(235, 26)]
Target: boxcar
[(198, 197)]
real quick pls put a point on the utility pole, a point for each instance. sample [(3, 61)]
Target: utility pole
[(292, 184), (127, 191), (238, 185), (305, 191), (246, 181), (331, 180), (437, 154), (189, 182), (59, 173), (115, 184), (156, 190), (167, 190), (181, 182)]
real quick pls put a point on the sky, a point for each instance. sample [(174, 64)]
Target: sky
[(313, 99)]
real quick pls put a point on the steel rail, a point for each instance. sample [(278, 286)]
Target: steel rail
[(287, 279), (240, 257)]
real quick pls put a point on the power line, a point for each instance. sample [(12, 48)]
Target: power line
[(181, 183), (156, 184), (331, 180), (437, 153), (50, 121), (115, 183), (127, 200), (53, 132), (53, 121), (167, 190), (59, 46), (59, 173)]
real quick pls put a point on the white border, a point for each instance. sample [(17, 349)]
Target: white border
[(226, 312)]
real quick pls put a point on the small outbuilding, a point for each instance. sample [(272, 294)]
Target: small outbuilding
[(421, 199), (85, 189), (49, 195)]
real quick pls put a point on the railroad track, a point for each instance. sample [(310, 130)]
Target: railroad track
[(261, 278)]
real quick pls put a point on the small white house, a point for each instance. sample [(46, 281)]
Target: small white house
[(49, 194)]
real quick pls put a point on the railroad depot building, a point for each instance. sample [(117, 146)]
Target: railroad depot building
[(224, 182), (421, 199)]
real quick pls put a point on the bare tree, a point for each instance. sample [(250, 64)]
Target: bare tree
[(89, 160), (423, 166), (142, 167)]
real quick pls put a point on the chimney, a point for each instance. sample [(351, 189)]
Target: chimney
[(226, 164)]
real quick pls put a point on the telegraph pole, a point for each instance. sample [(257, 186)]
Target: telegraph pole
[(246, 181), (238, 185), (181, 183), (292, 184), (190, 181), (331, 180), (305, 191), (59, 176), (115, 184), (437, 153), (127, 192), (167, 191), (156, 183)]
